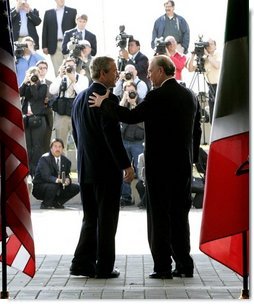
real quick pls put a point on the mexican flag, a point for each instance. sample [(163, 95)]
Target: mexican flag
[(224, 232)]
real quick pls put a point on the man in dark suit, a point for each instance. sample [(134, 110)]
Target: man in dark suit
[(169, 113), (55, 23), (102, 164), (52, 182), (135, 57), (24, 22), (80, 33)]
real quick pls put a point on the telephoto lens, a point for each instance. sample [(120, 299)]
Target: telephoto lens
[(132, 95)]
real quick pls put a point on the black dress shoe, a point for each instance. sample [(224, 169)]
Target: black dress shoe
[(114, 274), (182, 273), (58, 205), (76, 271), (161, 275), (45, 206)]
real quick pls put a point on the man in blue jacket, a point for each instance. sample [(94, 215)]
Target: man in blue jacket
[(171, 24)]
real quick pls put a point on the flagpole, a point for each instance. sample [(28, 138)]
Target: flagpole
[(245, 290), (4, 292)]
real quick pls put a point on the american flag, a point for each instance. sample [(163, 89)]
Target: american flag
[(19, 242)]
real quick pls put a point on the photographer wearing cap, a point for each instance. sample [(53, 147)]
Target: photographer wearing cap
[(65, 87), (207, 60), (34, 97), (133, 137)]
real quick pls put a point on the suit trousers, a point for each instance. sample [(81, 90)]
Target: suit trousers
[(50, 193), (168, 226), (95, 251)]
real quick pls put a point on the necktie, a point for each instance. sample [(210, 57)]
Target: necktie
[(58, 165)]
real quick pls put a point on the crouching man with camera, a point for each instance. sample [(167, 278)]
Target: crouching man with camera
[(34, 104), (65, 87), (52, 182)]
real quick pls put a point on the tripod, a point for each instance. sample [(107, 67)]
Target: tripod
[(202, 96)]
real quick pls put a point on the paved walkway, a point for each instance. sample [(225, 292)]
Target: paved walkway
[(55, 235)]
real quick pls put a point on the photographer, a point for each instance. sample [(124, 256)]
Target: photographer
[(178, 59), (79, 33), (26, 56), (83, 58), (34, 98), (133, 137), (135, 57), (66, 86), (130, 74), (206, 59)]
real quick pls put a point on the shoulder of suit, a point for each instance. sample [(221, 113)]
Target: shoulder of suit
[(67, 8)]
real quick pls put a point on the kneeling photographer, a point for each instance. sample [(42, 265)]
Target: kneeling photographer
[(65, 87), (206, 60), (34, 105)]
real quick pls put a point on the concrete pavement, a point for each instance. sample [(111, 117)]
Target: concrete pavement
[(55, 235)]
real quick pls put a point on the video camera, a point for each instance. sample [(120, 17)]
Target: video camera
[(160, 46), (200, 47), (121, 39), (74, 47), (19, 49), (199, 51)]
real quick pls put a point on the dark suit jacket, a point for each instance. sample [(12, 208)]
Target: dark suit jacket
[(49, 29), (33, 20), (141, 64), (47, 171), (169, 114), (36, 95), (88, 36), (101, 154)]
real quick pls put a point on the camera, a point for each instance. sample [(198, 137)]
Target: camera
[(199, 52), (19, 49), (160, 46), (132, 95), (200, 47), (74, 47), (128, 75), (121, 39), (68, 68), (34, 78)]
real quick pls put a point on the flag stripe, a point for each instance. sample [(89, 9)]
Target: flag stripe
[(20, 244)]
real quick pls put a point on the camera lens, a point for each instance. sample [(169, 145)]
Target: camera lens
[(69, 69), (132, 95), (34, 78), (128, 76)]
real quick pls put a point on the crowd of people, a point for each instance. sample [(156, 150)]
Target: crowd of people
[(144, 102)]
